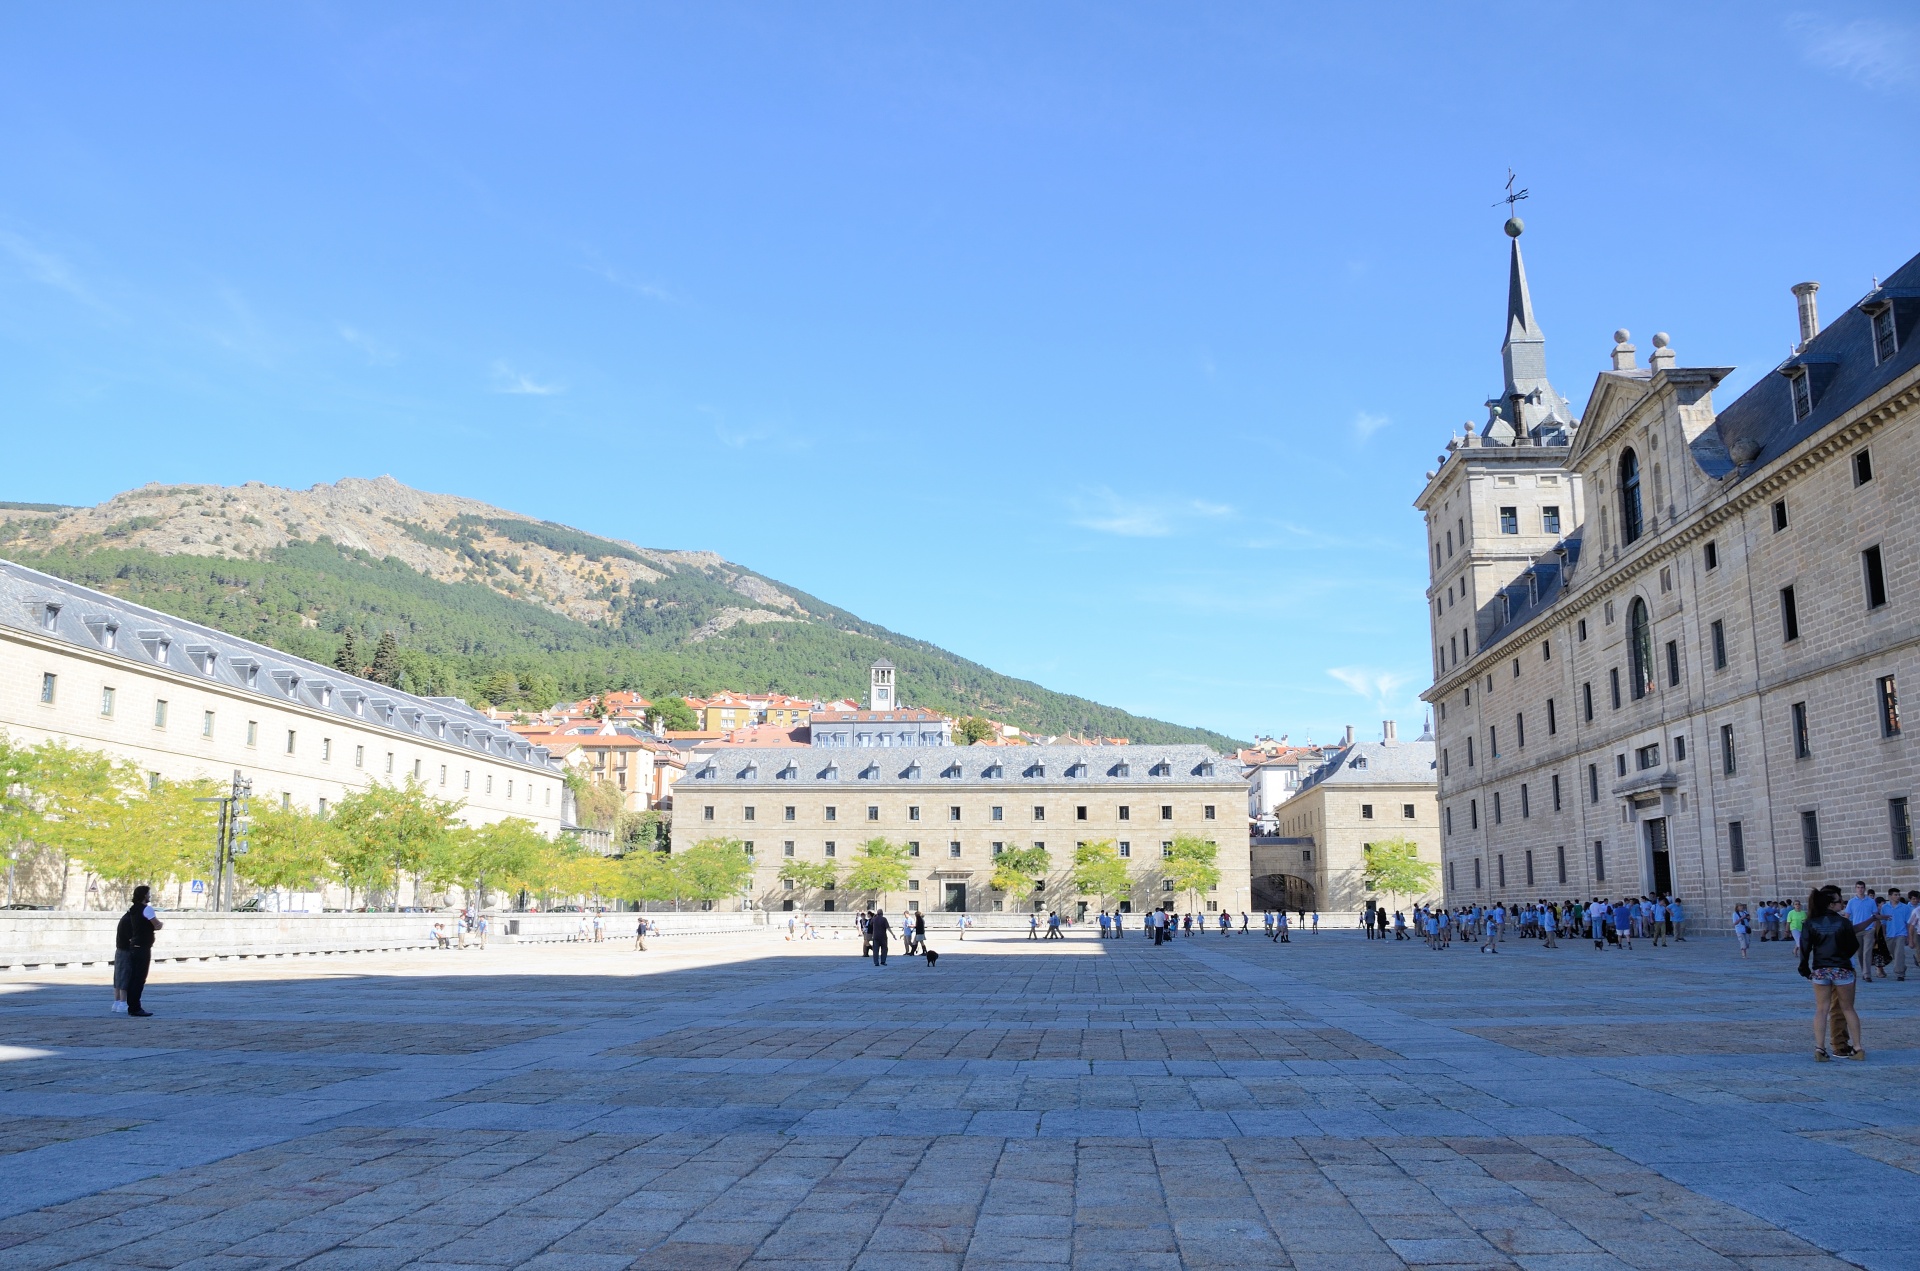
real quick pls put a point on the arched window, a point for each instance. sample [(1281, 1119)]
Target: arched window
[(1629, 496), (1640, 645)]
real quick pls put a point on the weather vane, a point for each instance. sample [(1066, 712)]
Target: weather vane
[(1514, 223)]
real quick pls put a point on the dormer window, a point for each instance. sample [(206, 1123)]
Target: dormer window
[(357, 703), (1121, 770), (1358, 761), (1886, 340), (787, 773), (951, 770), (1205, 769), (830, 773), (1161, 769), (1802, 385), (870, 773), (49, 616), (991, 770), (203, 658), (911, 772), (1035, 770), (1077, 770), (707, 773), (750, 773)]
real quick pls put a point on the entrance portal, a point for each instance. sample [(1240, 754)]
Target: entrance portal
[(956, 898), (1662, 861)]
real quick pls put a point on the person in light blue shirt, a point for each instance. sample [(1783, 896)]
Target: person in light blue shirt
[(1899, 917), (1659, 925), (1864, 913)]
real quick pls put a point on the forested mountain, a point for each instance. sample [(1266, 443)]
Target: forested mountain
[(496, 607)]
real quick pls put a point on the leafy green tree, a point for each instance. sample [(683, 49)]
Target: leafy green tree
[(389, 830), (647, 875), (502, 688), (386, 661), (671, 713), (1017, 869), (811, 875), (1394, 866), (878, 867), (597, 803), (1192, 864), (348, 658), (714, 869), (1099, 871), (287, 847), (969, 730)]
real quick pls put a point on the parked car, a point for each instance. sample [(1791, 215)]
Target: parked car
[(24, 905)]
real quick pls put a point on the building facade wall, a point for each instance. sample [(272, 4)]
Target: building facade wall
[(1617, 796), (328, 756), (956, 823)]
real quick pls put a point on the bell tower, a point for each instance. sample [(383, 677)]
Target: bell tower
[(882, 693)]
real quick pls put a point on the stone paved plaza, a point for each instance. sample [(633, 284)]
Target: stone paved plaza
[(749, 1102)]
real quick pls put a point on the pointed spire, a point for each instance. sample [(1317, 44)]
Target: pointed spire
[(1520, 323), (1530, 408)]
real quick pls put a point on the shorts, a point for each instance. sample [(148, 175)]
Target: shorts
[(120, 970), (1835, 975)]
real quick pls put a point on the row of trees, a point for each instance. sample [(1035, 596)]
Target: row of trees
[(125, 827), (879, 866)]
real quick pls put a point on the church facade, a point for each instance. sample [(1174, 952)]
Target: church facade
[(1668, 640)]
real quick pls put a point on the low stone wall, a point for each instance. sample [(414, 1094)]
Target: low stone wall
[(48, 940)]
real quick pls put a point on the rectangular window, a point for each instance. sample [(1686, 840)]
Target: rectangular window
[(1802, 745), (1780, 513), (1469, 752), (706, 813), (1599, 861), (832, 849), (995, 814), (160, 712), (913, 813), (360, 761), (913, 849), (1889, 698), (1647, 757), (746, 812), (1902, 827), (1509, 520), (1526, 805), (1736, 847), (106, 701), (833, 813), (1613, 677), (1556, 792), (1586, 701), (1728, 764), (326, 756), (489, 782), (1520, 731), (1810, 838), (253, 732), (873, 812), (1206, 812), (1449, 820), (1476, 873), (1593, 783), (1620, 764), (1789, 615), (1719, 630), (1039, 812), (1863, 467), (1500, 869), (953, 850), (1710, 555), (1080, 812), (787, 847), (1446, 762), (1875, 576), (1553, 723), (1473, 814), (1560, 857), (1366, 812), (292, 736), (1673, 664), (787, 813), (1581, 629), (1550, 520), (206, 723), (1497, 818), (1679, 749), (48, 683), (1453, 883), (1166, 812), (443, 776), (1886, 342), (1126, 850)]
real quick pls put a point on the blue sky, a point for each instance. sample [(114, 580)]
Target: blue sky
[(1104, 344)]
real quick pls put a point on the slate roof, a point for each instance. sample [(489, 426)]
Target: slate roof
[(1376, 763), (146, 638), (1842, 357), (1524, 601), (923, 766)]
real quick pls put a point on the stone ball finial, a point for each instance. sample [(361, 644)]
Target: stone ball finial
[(1515, 227), (1622, 336), (1661, 339)]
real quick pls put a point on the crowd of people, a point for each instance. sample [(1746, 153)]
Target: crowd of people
[(1608, 923)]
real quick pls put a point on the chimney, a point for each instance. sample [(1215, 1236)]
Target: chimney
[(1803, 293), (1622, 351), (1387, 731), (1349, 734)]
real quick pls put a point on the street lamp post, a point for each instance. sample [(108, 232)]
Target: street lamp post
[(231, 839)]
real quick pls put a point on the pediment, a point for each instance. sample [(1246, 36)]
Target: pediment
[(1614, 398)]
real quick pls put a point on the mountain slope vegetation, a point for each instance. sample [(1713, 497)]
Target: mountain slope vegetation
[(495, 607)]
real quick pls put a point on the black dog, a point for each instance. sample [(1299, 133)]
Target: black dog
[(932, 957)]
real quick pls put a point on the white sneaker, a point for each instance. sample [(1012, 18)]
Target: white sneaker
[(119, 1008)]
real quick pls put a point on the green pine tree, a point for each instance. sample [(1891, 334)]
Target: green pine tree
[(348, 659), (386, 661)]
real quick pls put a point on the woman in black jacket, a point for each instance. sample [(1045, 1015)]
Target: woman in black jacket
[(1827, 948), (133, 949)]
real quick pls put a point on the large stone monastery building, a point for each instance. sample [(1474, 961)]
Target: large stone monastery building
[(1668, 640)]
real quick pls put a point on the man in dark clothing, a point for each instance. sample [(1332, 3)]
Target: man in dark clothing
[(877, 929), (133, 948)]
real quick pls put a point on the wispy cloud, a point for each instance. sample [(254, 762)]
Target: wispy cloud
[(1378, 687), (1365, 424), (376, 352), (50, 269), (508, 380), (1107, 512), (599, 266), (1873, 53)]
